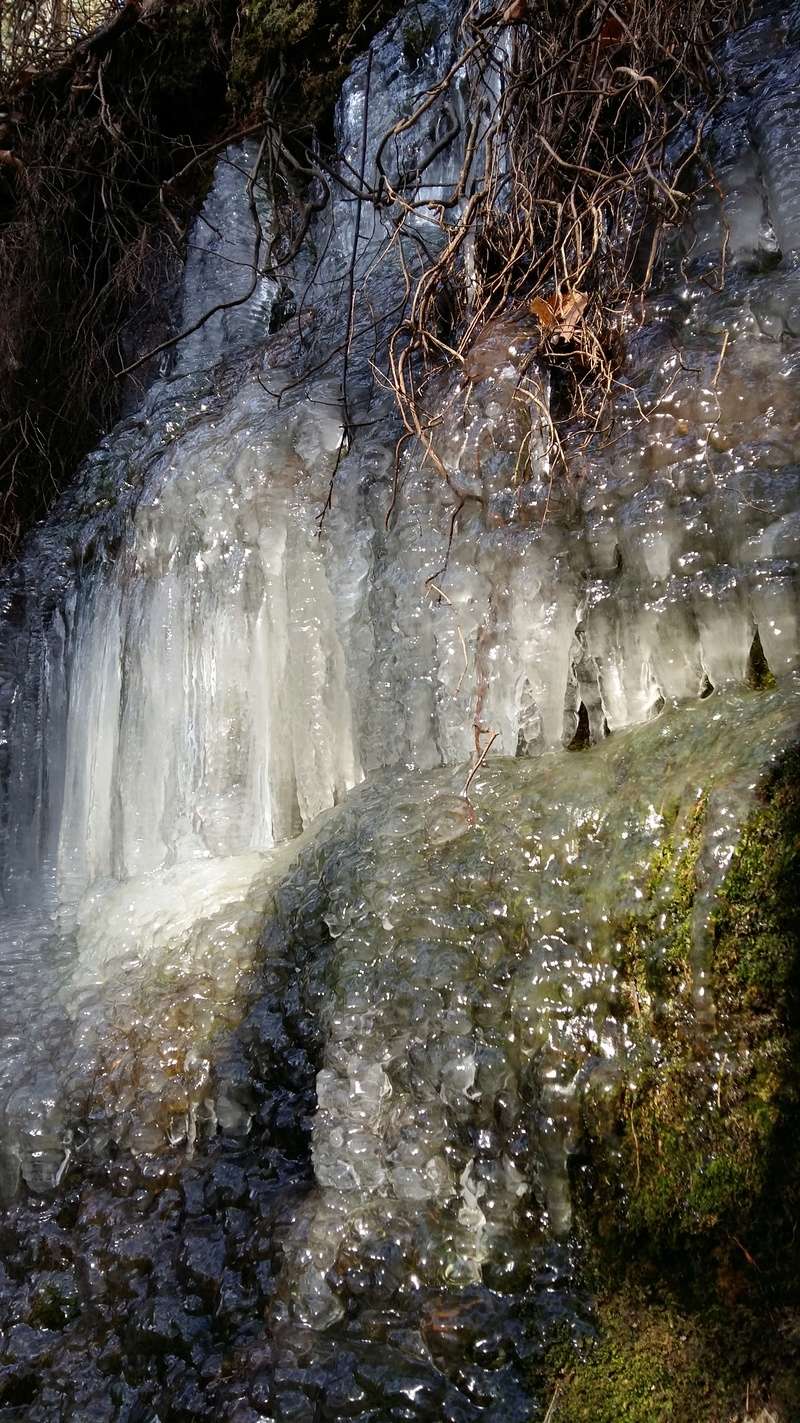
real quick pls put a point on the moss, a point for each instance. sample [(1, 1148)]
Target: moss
[(282, 23), (650, 1364), (656, 942), (691, 1180), (755, 923), (695, 1135), (53, 1304), (310, 42)]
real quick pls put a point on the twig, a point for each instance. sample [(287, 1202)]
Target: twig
[(724, 348), (475, 769), (551, 1410), (222, 305)]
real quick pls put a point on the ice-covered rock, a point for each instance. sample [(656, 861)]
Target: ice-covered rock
[(350, 1087)]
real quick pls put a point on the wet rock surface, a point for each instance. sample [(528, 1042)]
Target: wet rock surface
[(291, 1122), (386, 1232)]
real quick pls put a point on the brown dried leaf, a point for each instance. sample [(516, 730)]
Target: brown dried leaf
[(568, 314), (560, 314), (543, 310)]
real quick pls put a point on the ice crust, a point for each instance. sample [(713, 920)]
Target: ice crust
[(473, 995), (366, 1213), (337, 1054)]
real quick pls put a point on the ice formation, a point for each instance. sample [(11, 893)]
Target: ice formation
[(196, 667), (163, 717)]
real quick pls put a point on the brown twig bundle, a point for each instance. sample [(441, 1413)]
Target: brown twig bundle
[(585, 124)]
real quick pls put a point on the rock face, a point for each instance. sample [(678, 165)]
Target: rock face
[(300, 1098)]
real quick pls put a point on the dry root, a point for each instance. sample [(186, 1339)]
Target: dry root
[(586, 121)]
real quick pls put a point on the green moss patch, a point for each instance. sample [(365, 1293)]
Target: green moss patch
[(649, 1365), (689, 1192), (310, 43)]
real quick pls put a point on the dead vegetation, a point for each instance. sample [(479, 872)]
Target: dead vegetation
[(577, 133), (112, 114), (38, 35), (578, 136), (91, 226), (584, 144)]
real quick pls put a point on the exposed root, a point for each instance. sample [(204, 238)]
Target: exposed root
[(579, 130), (580, 152)]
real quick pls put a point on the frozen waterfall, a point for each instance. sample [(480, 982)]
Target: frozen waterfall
[(197, 666), (152, 710)]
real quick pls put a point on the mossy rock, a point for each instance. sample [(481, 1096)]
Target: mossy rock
[(650, 1364), (689, 1188), (309, 43)]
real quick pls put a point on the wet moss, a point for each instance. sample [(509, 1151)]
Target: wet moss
[(309, 43), (694, 1136), (755, 923), (54, 1303), (689, 1187), (650, 1364), (657, 943)]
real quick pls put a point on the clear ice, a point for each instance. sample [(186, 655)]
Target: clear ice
[(342, 1033)]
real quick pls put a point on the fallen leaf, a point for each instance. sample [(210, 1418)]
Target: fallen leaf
[(543, 309), (560, 314), (569, 312)]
